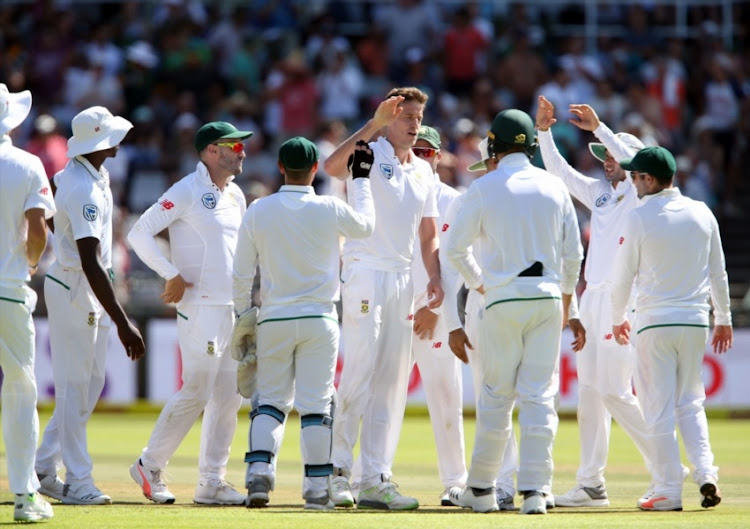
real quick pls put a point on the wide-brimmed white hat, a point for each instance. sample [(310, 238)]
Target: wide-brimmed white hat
[(599, 150), (481, 165), (96, 129), (13, 108)]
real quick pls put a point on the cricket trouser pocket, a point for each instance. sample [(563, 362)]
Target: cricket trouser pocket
[(67, 284), (357, 291)]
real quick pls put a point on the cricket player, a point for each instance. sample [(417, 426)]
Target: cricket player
[(203, 212), (23, 237), (530, 257), (378, 300), (605, 368), (294, 236), (672, 245), (81, 304)]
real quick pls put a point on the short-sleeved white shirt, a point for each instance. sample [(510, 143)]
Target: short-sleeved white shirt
[(203, 223), (84, 209), (24, 186), (403, 194)]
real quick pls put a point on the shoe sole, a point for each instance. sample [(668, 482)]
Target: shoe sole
[(676, 509), (447, 503), (711, 496), (534, 511), (136, 475), (588, 503), (210, 501), (76, 501), (346, 503), (38, 518), (257, 501), (379, 505)]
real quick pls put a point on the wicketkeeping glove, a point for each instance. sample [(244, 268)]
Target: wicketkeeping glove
[(360, 162), (246, 375), (243, 336)]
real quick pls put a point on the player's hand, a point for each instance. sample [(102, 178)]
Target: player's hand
[(361, 160), (388, 111), (579, 333), (132, 340), (174, 289), (722, 339), (545, 114), (243, 342), (585, 117), (424, 323), (435, 293), (622, 332), (458, 342)]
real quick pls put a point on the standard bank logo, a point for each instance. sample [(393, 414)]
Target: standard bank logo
[(603, 200), (387, 170), (90, 212), (209, 200)]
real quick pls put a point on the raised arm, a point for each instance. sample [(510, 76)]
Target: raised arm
[(387, 111)]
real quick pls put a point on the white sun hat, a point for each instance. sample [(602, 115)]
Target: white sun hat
[(599, 150), (481, 165), (13, 108), (96, 129)]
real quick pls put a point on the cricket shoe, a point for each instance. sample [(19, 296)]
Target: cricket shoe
[(217, 492), (31, 507), (445, 498), (84, 494), (659, 502), (152, 483), (710, 492), (51, 486), (257, 491), (534, 502), (340, 492), (505, 501), (385, 496), (478, 500), (550, 500), (581, 496), (322, 503)]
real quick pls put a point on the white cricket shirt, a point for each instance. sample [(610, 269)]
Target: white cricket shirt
[(294, 236), (609, 205), (24, 186), (203, 222), (520, 214), (672, 245), (402, 194), (84, 209)]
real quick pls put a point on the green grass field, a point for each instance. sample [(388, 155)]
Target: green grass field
[(115, 440)]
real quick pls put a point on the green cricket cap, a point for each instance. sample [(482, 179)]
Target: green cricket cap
[(298, 153), (656, 161), (429, 135), (218, 130)]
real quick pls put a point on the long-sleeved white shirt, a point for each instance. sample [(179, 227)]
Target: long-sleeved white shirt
[(203, 222), (25, 186), (294, 236), (609, 205), (671, 245), (84, 209), (403, 194), (520, 214)]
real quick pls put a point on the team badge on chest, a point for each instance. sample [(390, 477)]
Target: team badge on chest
[(92, 319), (365, 308), (211, 348), (209, 200), (387, 170)]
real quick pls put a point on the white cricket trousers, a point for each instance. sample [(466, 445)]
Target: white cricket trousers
[(296, 367), (442, 379), (78, 332), (20, 420), (377, 337), (670, 389), (209, 385), (474, 314), (519, 354), (605, 378)]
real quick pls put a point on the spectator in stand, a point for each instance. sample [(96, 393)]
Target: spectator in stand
[(462, 45), (48, 144)]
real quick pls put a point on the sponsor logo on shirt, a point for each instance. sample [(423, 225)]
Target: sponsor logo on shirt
[(166, 204), (622, 240), (90, 212), (209, 200), (44, 190), (608, 336), (410, 317), (445, 227), (387, 170), (603, 200), (365, 307), (437, 345)]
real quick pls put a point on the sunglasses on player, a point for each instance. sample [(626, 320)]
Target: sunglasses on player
[(237, 147), (424, 152)]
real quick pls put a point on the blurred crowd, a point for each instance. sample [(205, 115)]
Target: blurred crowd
[(318, 68)]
